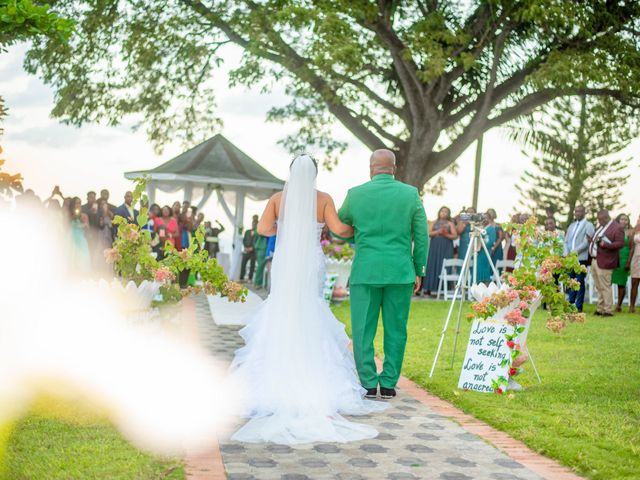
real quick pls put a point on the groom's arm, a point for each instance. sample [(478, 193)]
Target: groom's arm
[(345, 217), (420, 238)]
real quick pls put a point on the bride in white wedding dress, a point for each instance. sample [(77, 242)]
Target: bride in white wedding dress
[(296, 368)]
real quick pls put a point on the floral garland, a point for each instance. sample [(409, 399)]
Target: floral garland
[(133, 259), (540, 269)]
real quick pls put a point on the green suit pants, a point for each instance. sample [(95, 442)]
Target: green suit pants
[(366, 303)]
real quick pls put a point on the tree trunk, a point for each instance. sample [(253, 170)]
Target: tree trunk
[(579, 164)]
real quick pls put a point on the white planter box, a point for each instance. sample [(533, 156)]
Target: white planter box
[(340, 267)]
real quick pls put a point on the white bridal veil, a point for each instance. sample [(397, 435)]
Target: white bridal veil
[(296, 366)]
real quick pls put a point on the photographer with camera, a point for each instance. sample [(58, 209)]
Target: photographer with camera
[(463, 228)]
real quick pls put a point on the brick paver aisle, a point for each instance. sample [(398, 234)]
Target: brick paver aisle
[(415, 442)]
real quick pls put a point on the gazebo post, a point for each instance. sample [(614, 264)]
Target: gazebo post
[(188, 192), (236, 255), (151, 192)]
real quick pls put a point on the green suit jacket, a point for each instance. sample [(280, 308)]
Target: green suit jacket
[(388, 218)]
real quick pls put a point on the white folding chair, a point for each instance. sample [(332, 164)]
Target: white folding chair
[(451, 268)]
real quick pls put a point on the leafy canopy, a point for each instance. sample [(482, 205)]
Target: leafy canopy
[(424, 78), (573, 143)]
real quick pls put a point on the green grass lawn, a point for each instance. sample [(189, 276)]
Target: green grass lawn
[(42, 448), (586, 412)]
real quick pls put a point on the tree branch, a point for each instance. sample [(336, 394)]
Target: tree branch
[(297, 65)]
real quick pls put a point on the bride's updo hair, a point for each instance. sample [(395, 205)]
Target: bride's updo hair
[(315, 162)]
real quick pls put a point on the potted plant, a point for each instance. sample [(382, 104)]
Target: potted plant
[(540, 270), (156, 280), (339, 259)]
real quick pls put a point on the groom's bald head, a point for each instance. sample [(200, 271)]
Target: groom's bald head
[(382, 161)]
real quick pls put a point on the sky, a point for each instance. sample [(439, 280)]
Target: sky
[(93, 157)]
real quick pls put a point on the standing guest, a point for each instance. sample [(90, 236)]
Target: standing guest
[(104, 238), (186, 221), (106, 227), (155, 211), (604, 249), (28, 199), (261, 260), (490, 237), (551, 226), (249, 249), (463, 228), (55, 207), (620, 275), (186, 227), (104, 195), (633, 265), (90, 209), (577, 241), (80, 256), (442, 233), (199, 221), (509, 244), (91, 201), (166, 228), (176, 212), (211, 238), (497, 252), (126, 210)]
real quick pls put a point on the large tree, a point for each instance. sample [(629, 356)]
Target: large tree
[(575, 146), (424, 78), (22, 20)]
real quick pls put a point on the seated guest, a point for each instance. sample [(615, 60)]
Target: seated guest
[(126, 210), (604, 249), (442, 233), (577, 241)]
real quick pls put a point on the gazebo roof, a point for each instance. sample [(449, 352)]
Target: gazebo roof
[(215, 163)]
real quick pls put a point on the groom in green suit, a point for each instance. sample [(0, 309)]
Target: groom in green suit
[(391, 252)]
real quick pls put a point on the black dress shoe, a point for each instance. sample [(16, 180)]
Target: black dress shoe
[(387, 393), (606, 314), (598, 314), (371, 393)]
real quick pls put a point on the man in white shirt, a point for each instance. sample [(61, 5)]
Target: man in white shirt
[(577, 240)]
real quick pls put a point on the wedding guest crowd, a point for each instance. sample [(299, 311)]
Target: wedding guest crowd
[(610, 250), (91, 230)]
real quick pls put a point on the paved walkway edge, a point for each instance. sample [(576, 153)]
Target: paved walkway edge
[(518, 451), (206, 465), (209, 465)]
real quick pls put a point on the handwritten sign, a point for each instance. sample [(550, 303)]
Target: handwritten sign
[(483, 363)]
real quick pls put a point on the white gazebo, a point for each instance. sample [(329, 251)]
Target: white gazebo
[(215, 165)]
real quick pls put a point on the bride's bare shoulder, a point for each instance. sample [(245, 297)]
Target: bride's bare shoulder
[(323, 197)]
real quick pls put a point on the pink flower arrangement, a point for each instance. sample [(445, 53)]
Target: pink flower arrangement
[(523, 305), (164, 274), (131, 233), (112, 255), (516, 317)]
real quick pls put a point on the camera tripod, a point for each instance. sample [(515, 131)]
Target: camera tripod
[(476, 244)]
